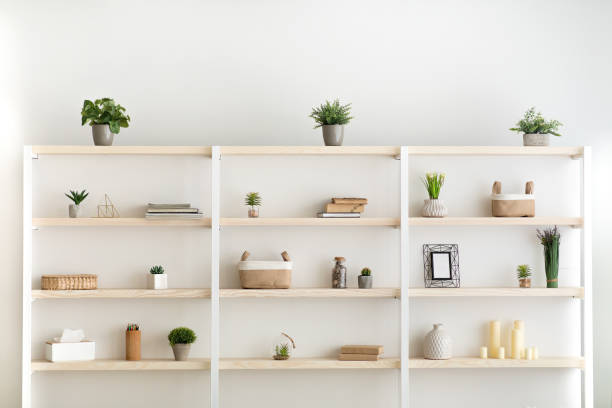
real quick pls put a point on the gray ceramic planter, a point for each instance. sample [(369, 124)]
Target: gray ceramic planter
[(535, 139), (333, 134), (365, 282), (102, 135), (181, 351), (74, 210)]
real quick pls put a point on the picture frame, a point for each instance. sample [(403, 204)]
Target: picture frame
[(441, 264)]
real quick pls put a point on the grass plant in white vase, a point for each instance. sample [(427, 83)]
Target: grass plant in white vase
[(434, 207)]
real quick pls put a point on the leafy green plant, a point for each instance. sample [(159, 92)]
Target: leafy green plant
[(550, 238), (433, 182), (181, 335), (331, 113), (76, 196), (523, 271), (104, 112), (366, 272), (282, 349), (534, 122), (253, 200), (156, 270)]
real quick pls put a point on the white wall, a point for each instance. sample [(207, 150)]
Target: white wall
[(190, 73)]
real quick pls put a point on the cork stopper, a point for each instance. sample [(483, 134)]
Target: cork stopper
[(340, 259)]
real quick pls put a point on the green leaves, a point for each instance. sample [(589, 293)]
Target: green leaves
[(156, 270), (181, 335), (366, 272), (76, 196), (282, 349), (104, 112), (534, 122), (252, 199), (523, 271), (331, 114), (433, 182)]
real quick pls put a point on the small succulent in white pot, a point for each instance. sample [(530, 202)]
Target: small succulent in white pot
[(434, 207), (157, 278), (535, 129), (180, 340), (106, 119), (77, 198), (331, 117)]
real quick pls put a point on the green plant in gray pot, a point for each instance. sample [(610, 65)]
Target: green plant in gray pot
[(106, 119), (550, 239), (77, 198), (365, 279), (331, 117), (536, 129), (181, 339)]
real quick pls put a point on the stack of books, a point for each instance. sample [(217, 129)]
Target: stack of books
[(360, 353), (344, 208), (185, 211)]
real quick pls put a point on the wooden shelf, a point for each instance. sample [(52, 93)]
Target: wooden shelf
[(496, 221), (124, 150), (497, 292), (121, 365), (121, 294), (304, 364), (305, 222), (573, 152), (118, 222), (310, 150), (475, 362), (311, 293)]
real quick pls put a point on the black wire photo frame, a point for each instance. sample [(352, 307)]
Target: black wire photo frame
[(451, 278)]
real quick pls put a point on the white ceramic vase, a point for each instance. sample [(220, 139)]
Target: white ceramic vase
[(434, 208), (158, 281), (438, 345)]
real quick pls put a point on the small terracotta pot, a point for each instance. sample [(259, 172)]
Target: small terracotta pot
[(525, 283)]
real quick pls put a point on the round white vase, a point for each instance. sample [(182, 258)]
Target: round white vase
[(438, 345), (434, 208)]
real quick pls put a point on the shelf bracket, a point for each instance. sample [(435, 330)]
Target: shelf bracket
[(397, 157), (35, 228), (577, 156), (34, 156)]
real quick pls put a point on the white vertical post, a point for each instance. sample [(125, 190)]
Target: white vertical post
[(26, 320), (587, 270), (214, 278), (404, 275)]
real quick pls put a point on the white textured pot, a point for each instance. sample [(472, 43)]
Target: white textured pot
[(158, 281), (438, 345), (536, 139), (434, 208), (74, 210)]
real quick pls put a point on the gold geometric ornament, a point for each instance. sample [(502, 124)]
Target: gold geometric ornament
[(107, 210)]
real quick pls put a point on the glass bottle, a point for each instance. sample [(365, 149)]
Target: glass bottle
[(339, 273)]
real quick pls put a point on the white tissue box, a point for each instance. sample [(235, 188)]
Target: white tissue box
[(82, 351)]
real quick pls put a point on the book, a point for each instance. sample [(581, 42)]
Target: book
[(358, 357), (344, 208), (349, 200), (338, 215), (172, 210), (362, 349), (192, 216), (160, 206)]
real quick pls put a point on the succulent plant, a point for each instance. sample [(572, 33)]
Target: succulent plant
[(282, 349), (156, 270), (523, 271), (366, 272), (181, 335), (76, 196)]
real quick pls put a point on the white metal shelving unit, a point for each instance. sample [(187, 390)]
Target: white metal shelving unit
[(214, 363)]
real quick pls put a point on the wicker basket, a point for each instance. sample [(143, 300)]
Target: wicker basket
[(69, 282)]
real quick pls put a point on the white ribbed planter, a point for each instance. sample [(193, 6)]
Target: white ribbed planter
[(434, 208)]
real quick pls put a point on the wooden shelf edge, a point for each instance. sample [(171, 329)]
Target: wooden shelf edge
[(475, 362), (311, 293), (305, 222), (310, 150), (123, 150), (496, 221), (304, 364), (575, 292), (122, 293), (118, 222), (121, 365)]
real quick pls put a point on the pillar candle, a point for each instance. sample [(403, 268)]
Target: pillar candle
[(494, 338), (515, 350), (519, 326), (501, 353), (483, 352), (529, 353), (536, 353)]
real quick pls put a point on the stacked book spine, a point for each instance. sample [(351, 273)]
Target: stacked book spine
[(344, 208), (360, 353), (165, 211)]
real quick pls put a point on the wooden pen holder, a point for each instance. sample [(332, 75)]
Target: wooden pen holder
[(132, 345)]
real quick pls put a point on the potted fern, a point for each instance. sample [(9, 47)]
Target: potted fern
[(77, 198), (331, 117), (253, 200), (434, 207), (365, 279), (180, 340), (550, 239), (536, 129), (157, 278), (106, 119), (523, 273)]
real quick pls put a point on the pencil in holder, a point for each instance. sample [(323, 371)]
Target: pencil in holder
[(132, 345)]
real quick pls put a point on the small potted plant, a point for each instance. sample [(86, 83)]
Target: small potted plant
[(332, 117), (434, 207), (77, 198), (550, 239), (283, 348), (523, 273), (253, 200), (365, 279), (106, 119), (181, 339), (157, 278), (536, 129)]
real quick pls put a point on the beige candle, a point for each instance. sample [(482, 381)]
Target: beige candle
[(529, 353), (535, 353), (483, 352), (515, 350), (518, 347), (494, 338), (501, 353)]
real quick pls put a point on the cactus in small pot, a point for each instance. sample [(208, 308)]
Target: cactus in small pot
[(157, 278), (523, 273), (180, 340), (365, 279), (77, 198)]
